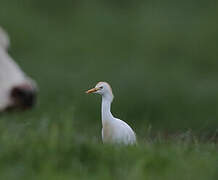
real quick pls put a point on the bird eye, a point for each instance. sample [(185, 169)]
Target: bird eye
[(101, 87)]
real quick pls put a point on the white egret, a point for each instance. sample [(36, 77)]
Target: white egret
[(114, 130)]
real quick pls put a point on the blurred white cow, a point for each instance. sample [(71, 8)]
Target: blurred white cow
[(16, 89)]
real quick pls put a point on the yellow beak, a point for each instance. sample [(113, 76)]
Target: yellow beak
[(92, 90)]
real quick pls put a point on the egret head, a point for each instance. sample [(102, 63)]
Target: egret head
[(104, 89)]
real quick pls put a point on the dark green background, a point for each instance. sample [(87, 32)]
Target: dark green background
[(159, 56)]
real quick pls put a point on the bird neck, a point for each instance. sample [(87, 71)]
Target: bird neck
[(106, 114)]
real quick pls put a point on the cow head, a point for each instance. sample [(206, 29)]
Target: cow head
[(17, 90)]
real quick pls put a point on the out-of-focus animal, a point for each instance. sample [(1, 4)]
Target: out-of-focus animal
[(17, 90)]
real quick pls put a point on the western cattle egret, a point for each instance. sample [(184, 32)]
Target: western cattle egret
[(114, 131)]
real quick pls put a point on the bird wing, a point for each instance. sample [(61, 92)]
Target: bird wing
[(125, 132)]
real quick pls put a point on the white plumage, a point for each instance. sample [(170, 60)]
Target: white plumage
[(114, 130)]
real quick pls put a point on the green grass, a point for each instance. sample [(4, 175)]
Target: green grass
[(160, 58), (54, 148)]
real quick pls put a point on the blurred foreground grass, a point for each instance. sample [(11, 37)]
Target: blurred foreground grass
[(33, 148), (161, 60)]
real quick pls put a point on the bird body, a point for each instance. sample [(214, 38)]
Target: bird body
[(114, 131), (118, 132)]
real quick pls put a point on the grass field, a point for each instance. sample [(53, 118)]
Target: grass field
[(160, 58)]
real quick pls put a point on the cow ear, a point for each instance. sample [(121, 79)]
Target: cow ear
[(4, 39)]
